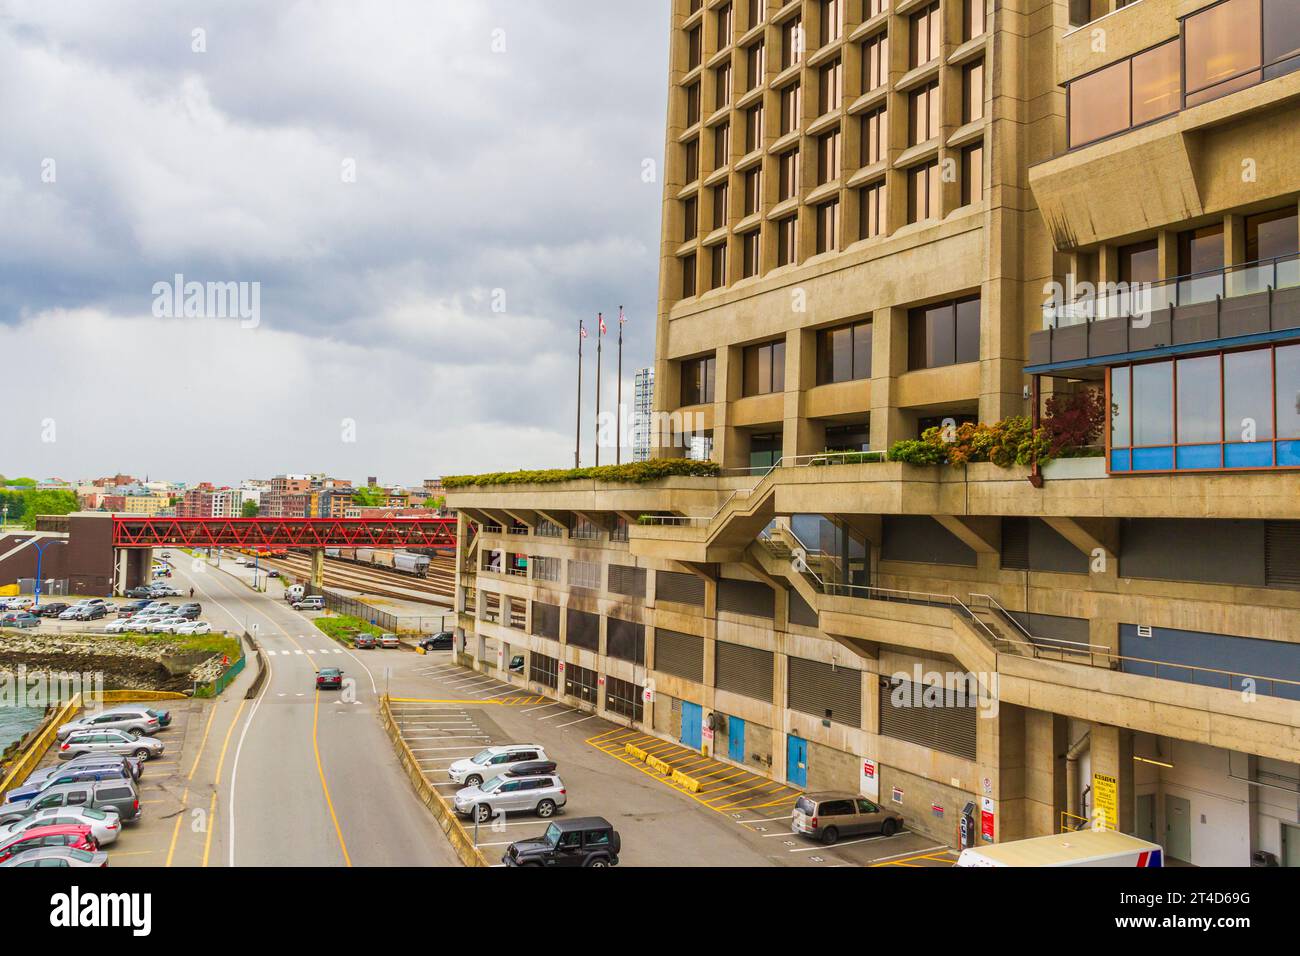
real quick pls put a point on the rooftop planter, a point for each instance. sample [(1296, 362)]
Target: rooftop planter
[(634, 473)]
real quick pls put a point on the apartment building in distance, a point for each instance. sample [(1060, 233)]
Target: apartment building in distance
[(886, 215)]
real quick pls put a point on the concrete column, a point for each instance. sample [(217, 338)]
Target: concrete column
[(888, 361), (317, 569), (801, 436), (1045, 746), (1112, 756), (730, 445)]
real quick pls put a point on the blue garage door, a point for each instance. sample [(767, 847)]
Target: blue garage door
[(796, 761), (691, 721), (736, 739)]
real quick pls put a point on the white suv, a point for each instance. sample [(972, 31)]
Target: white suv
[(492, 762)]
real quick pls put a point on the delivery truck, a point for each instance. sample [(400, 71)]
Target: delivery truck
[(1073, 848)]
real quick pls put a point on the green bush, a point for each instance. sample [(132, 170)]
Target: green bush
[(1011, 441), (637, 472), (918, 452)]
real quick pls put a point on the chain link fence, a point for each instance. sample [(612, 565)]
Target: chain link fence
[(385, 620)]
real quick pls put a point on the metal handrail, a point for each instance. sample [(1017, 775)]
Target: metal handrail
[(1004, 612), (821, 458)]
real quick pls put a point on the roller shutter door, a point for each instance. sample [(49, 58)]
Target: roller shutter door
[(746, 597), (546, 620), (627, 580), (801, 613), (1015, 544), (826, 692), (625, 640), (743, 670), (1282, 554), (680, 588), (679, 654), (949, 728), (583, 630)]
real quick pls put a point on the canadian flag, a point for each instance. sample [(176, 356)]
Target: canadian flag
[(600, 316), (582, 330), (621, 317)]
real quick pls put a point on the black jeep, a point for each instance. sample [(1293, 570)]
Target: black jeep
[(586, 841)]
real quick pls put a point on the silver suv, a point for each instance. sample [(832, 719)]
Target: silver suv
[(138, 721), (542, 794), (493, 761), (110, 742)]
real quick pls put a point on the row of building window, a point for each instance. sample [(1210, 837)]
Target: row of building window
[(1221, 49), (941, 334)]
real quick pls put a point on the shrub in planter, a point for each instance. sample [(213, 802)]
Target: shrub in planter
[(1074, 421), (918, 452)]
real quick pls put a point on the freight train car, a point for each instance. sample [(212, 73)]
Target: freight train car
[(401, 561)]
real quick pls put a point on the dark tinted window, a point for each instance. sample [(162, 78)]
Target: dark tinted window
[(597, 838), (835, 808)]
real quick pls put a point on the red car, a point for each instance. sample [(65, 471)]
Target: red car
[(64, 834)]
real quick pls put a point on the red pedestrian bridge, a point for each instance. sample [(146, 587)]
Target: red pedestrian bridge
[(433, 532)]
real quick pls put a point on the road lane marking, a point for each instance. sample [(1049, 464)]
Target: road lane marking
[(221, 761), (578, 721)]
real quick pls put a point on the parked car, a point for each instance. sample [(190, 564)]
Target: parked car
[(163, 590), (492, 761), (241, 560), (330, 677), (438, 642), (19, 619), (190, 610), (132, 607), (273, 573), (512, 792), (74, 774), (105, 825), (313, 603), (18, 603), (138, 592), (84, 612), (111, 742), (132, 718), (829, 815), (119, 796), (134, 766), (51, 610), (192, 628), (586, 841), (364, 642), (57, 856), (389, 640), (77, 837)]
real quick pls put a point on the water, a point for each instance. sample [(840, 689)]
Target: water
[(16, 721)]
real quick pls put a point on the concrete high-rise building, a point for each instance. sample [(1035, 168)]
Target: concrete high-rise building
[(889, 219), (643, 412)]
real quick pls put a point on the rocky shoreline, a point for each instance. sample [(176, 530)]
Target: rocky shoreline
[(158, 665)]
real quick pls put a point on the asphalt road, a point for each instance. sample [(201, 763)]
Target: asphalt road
[(303, 778)]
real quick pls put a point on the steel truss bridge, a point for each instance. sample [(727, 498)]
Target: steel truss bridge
[(129, 532)]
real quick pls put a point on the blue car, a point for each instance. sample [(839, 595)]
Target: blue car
[(19, 619), (69, 775)]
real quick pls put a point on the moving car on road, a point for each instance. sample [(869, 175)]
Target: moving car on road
[(586, 841), (112, 742), (57, 856), (438, 642), (493, 761), (514, 792), (829, 815), (329, 677)]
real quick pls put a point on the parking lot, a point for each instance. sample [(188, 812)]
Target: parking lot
[(735, 818)]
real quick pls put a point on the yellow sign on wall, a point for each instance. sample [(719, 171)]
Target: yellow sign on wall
[(1105, 798)]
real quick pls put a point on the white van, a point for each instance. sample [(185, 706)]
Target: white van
[(1075, 848), (295, 592)]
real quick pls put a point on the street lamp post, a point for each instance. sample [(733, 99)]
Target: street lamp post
[(40, 553)]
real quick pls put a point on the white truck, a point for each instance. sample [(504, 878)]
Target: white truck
[(1073, 848), (295, 592)]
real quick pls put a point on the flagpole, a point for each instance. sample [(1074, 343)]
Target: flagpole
[(600, 340), (618, 448), (577, 441)]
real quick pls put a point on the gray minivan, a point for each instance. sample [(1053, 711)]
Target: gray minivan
[(828, 816), (118, 795), (70, 774)]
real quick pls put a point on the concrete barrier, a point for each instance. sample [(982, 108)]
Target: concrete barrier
[(448, 822), (654, 763), (636, 752), (256, 687), (686, 782), (31, 757)]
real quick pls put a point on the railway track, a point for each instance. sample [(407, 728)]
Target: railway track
[(437, 589)]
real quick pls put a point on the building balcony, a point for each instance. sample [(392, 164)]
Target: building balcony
[(1236, 305)]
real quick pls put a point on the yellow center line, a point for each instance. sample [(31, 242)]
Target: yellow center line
[(204, 742)]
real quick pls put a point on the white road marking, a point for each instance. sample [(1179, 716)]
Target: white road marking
[(883, 859), (560, 714), (578, 721), (543, 707)]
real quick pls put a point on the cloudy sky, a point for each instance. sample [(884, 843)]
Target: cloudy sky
[(424, 196)]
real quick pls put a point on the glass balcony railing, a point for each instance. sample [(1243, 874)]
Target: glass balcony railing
[(1138, 300)]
